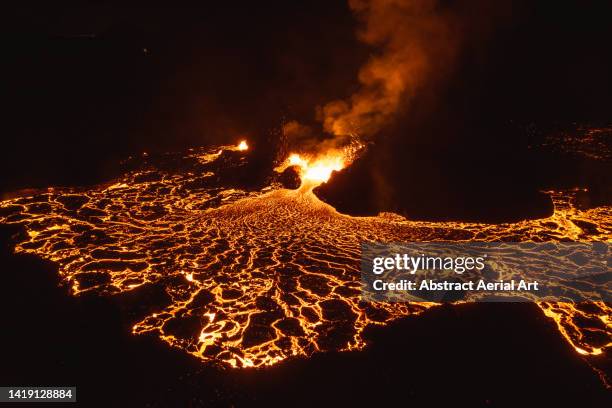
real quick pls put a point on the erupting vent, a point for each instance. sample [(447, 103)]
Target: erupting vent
[(243, 145)]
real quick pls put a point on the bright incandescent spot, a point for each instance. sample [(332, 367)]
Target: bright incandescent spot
[(252, 277), (243, 145)]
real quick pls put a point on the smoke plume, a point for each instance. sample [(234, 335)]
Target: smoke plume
[(415, 45), (417, 42)]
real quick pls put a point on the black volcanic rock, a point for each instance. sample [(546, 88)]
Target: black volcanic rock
[(426, 187), (290, 178), (351, 190)]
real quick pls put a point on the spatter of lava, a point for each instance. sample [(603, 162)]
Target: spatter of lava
[(250, 278)]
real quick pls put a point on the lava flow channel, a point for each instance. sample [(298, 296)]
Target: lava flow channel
[(250, 278)]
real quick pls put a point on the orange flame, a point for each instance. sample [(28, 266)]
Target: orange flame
[(242, 145), (317, 169)]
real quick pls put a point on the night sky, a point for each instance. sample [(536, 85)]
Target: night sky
[(87, 85)]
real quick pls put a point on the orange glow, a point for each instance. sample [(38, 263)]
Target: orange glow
[(229, 296), (243, 145), (317, 170)]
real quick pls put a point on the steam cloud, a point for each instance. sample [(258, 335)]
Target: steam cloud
[(417, 42)]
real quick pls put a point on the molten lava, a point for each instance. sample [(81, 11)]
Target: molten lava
[(319, 169), (242, 146), (316, 169), (250, 278)]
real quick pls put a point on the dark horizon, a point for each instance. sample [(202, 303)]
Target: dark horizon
[(88, 86)]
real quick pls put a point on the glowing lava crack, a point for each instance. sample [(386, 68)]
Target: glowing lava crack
[(252, 278)]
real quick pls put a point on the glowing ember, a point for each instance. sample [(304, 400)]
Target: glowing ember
[(242, 145)]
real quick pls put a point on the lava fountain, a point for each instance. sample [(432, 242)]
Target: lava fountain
[(315, 169), (242, 146), (318, 170)]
